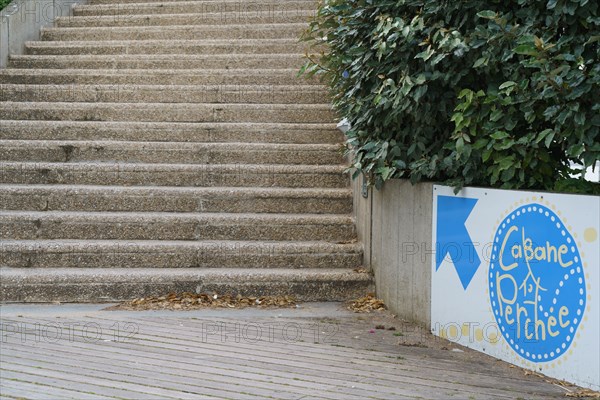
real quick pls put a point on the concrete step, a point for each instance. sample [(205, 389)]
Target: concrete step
[(170, 132), (135, 174), (194, 7), (180, 77), (174, 199), (167, 152), (160, 61), (30, 225), (115, 284), (122, 2), (178, 47), (177, 254), (210, 18), (220, 94), (163, 112), (196, 32)]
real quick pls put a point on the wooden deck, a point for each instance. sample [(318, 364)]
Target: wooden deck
[(319, 351)]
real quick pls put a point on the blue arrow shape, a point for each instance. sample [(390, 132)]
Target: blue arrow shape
[(453, 238)]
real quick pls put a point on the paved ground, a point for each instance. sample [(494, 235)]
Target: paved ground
[(317, 351)]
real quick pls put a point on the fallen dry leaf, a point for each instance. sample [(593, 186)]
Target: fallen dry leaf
[(584, 393), (367, 304), (192, 301), (570, 389)]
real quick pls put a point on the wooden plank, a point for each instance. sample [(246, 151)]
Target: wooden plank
[(195, 385), (170, 355)]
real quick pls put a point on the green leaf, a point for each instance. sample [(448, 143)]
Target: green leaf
[(486, 154), (480, 61), (543, 134), (526, 49), (487, 14), (507, 84), (438, 58), (549, 138), (385, 172), (496, 115), (457, 118), (460, 144), (506, 163), (499, 135), (420, 79), (426, 55), (580, 118)]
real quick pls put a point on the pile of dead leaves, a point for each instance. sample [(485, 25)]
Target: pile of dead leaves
[(584, 393), (192, 301), (570, 389), (367, 304)]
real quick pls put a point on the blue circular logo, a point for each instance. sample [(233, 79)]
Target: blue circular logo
[(536, 283)]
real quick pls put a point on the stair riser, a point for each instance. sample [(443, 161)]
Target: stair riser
[(279, 31), (37, 200), (77, 48), (174, 258), (224, 18), (102, 174), (273, 61), (96, 290), (172, 132), (197, 113), (196, 7), (168, 229), (166, 94), (148, 77)]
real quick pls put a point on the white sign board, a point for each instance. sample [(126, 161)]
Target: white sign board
[(517, 275)]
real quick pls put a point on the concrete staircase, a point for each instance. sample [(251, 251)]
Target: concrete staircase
[(151, 146)]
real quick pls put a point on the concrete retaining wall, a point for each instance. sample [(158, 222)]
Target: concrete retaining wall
[(490, 244), (394, 225), (22, 21)]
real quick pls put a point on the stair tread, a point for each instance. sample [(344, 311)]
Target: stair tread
[(177, 32), (142, 3), (148, 61), (215, 132), (248, 245), (248, 218), (90, 9), (189, 19), (161, 93), (175, 112), (171, 145), (177, 27), (207, 46), (223, 191), (160, 106), (87, 72), (91, 43), (123, 166), (99, 2), (159, 57), (190, 87), (145, 125), (58, 275)]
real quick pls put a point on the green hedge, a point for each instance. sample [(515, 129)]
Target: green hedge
[(492, 93), (4, 3)]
